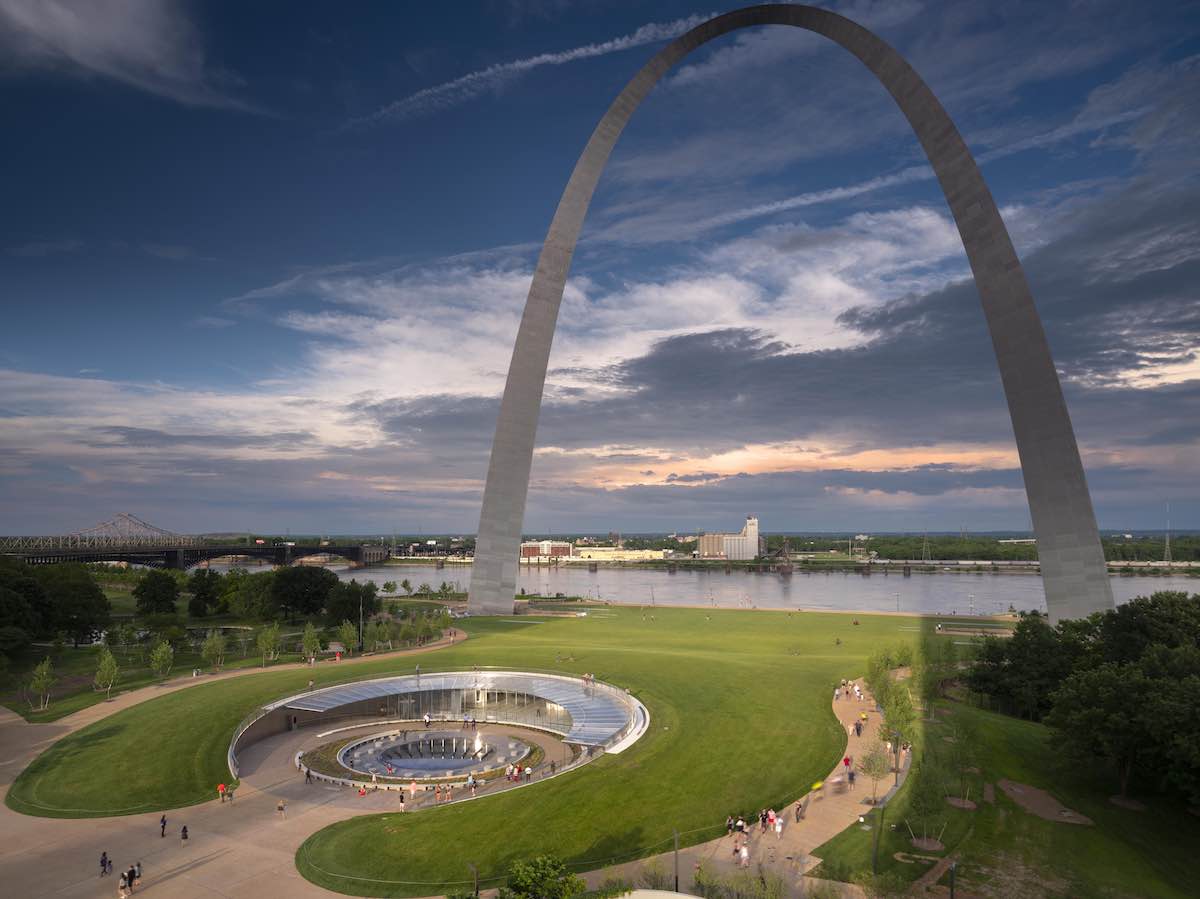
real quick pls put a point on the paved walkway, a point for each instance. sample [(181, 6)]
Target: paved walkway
[(789, 854), (246, 849), (21, 742)]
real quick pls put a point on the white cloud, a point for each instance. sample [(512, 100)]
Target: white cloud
[(151, 46), (473, 84)]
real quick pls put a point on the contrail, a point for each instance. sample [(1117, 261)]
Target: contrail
[(471, 85)]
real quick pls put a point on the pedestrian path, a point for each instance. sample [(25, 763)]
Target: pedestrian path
[(245, 848), (790, 855)]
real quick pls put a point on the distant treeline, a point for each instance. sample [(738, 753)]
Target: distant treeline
[(1116, 549)]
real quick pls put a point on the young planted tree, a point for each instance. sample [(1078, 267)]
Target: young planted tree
[(162, 657), (268, 643), (41, 680), (389, 587), (963, 754), (874, 764), (406, 587), (107, 672), (348, 635), (213, 650), (926, 808), (544, 877), (311, 641)]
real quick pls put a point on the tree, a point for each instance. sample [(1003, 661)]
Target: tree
[(406, 587), (80, 608), (13, 642), (544, 877), (963, 753), (213, 650), (162, 657), (107, 672), (348, 635), (125, 636), (15, 611), (301, 589), (389, 587), (268, 642), (156, 593), (205, 586), (41, 680), (875, 765), (1103, 713), (926, 805), (251, 596), (424, 589), (311, 641), (20, 578), (347, 599)]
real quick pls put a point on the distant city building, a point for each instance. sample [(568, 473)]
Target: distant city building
[(735, 547), (545, 549), (616, 554)]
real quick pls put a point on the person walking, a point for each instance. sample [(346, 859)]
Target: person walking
[(221, 791), (307, 774), (122, 886), (851, 775), (401, 791), (281, 808), (137, 874), (103, 863), (745, 856), (183, 834), (779, 827), (162, 826), (130, 877), (729, 825)]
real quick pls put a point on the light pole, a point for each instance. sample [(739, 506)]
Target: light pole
[(360, 635), (897, 595), (474, 875), (971, 601)]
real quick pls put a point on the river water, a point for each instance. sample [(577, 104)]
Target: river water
[(949, 593)]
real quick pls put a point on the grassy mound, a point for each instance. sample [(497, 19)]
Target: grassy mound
[(740, 720)]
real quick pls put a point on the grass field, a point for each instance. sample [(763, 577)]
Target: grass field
[(740, 719), (1005, 851)]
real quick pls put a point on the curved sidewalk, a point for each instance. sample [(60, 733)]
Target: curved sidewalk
[(246, 849)]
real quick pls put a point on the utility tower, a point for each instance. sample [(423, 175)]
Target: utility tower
[(925, 547), (1167, 548)]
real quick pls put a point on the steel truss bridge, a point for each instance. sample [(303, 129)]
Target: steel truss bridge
[(127, 538)]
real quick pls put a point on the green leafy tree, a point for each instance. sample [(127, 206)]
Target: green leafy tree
[(926, 805), (311, 641), (424, 590), (205, 586), (302, 590), (267, 641), (41, 680), (107, 672), (213, 650), (13, 642), (252, 598), (389, 587), (20, 578), (125, 636), (406, 587), (156, 593), (1102, 713), (80, 608), (162, 658), (348, 598), (875, 764), (544, 877), (348, 635)]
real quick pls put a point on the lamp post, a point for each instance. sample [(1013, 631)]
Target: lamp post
[(971, 601), (897, 595), (474, 875), (360, 635)]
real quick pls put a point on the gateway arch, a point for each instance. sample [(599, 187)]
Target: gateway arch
[(1072, 561)]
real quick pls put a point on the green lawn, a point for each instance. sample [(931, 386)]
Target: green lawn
[(1005, 851), (740, 719)]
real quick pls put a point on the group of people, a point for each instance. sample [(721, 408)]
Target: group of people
[(515, 773), (846, 688), (129, 879)]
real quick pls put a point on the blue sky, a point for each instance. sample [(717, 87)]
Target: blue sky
[(262, 265)]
